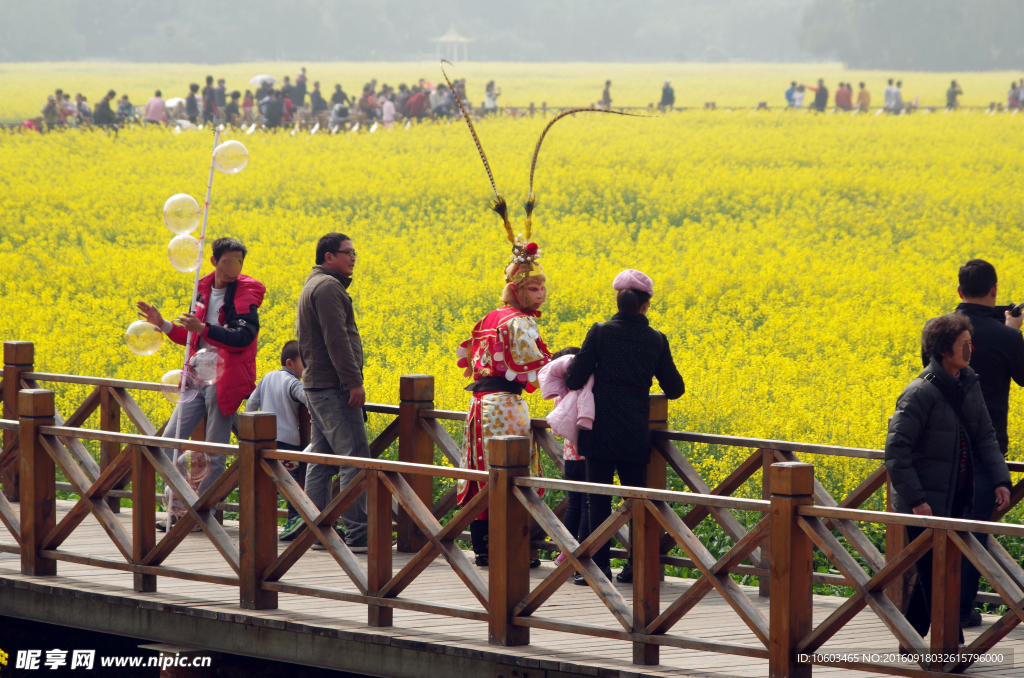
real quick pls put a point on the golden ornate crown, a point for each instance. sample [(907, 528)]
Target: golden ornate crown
[(524, 252)]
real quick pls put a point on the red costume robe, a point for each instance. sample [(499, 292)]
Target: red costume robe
[(506, 346)]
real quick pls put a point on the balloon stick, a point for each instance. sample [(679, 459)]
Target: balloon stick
[(195, 282)]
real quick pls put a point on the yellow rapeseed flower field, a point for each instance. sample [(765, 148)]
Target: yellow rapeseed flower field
[(795, 257)]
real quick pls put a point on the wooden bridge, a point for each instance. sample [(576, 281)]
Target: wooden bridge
[(415, 605)]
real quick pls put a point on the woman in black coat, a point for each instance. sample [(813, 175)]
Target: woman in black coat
[(941, 432), (623, 354)]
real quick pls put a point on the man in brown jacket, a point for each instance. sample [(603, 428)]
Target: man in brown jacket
[(333, 379)]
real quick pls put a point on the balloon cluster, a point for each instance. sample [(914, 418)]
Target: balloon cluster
[(182, 215)]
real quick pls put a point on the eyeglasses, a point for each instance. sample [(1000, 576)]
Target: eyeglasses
[(350, 253)]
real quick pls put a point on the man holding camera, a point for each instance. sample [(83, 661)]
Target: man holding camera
[(998, 357)]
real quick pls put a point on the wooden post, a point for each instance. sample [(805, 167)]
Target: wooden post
[(647, 575), (544, 109), (38, 487), (945, 629), (416, 392), (18, 358), (657, 477), (792, 563), (110, 420), (257, 509), (533, 109), (657, 470), (895, 541), (509, 569), (143, 516), (378, 553), (764, 584)]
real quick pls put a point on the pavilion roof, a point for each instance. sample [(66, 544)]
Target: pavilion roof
[(452, 36)]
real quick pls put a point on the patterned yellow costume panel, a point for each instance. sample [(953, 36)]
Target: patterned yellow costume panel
[(523, 336), (497, 414)]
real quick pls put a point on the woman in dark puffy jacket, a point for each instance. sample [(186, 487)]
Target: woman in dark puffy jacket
[(624, 355), (940, 432)]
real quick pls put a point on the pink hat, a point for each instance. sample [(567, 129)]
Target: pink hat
[(631, 279)]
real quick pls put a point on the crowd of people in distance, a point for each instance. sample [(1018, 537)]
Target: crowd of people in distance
[(272, 106), (894, 103), (268, 104), (61, 111), (844, 99)]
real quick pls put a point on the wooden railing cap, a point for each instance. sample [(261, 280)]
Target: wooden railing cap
[(257, 426), (792, 478), (508, 451), (35, 402), (19, 352), (416, 387)]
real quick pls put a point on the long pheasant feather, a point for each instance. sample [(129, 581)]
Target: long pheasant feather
[(530, 201), (498, 205)]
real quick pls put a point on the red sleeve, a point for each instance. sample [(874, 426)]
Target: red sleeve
[(179, 335)]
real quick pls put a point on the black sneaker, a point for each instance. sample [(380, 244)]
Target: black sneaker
[(625, 576), (481, 560), (317, 546), (971, 620), (535, 563), (580, 580), (161, 525), (357, 545)]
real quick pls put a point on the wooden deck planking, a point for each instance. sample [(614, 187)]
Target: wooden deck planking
[(711, 620)]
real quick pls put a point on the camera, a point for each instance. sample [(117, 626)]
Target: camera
[(999, 312)]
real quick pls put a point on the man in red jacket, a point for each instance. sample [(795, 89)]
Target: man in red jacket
[(226, 321), (417, 105)]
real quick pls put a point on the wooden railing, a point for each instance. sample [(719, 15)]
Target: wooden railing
[(801, 526), (798, 516)]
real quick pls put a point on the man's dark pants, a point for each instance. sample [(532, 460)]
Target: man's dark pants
[(919, 608), (336, 428), (982, 508)]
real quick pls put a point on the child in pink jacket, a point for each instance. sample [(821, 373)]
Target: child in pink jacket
[(573, 410)]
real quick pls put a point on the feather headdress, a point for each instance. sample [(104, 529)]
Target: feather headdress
[(524, 252)]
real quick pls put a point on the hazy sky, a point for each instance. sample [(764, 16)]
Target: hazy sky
[(214, 31), (945, 35)]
